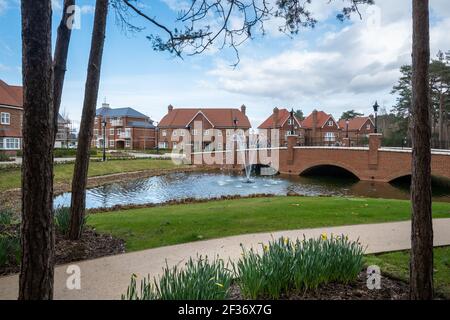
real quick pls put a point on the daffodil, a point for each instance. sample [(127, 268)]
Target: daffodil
[(286, 240), (323, 236), (266, 248)]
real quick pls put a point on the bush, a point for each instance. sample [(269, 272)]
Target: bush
[(62, 220), (64, 152), (200, 279), (9, 249), (6, 217), (301, 265), (4, 157)]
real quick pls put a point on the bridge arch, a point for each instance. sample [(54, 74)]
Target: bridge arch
[(330, 164)]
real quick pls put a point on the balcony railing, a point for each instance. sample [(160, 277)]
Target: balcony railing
[(116, 123), (125, 135)]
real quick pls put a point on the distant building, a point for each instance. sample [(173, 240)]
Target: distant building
[(11, 115), (125, 128), (358, 129), (64, 137), (287, 124), (321, 129), (215, 122)]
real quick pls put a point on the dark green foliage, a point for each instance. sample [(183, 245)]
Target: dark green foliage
[(200, 279), (351, 114), (62, 220)]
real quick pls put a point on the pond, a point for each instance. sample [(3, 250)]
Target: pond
[(175, 186)]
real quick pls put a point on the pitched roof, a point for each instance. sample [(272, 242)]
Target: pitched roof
[(322, 118), (219, 117), (119, 112), (11, 95), (354, 124), (283, 116), (141, 124)]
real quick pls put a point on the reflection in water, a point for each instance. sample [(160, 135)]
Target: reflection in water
[(208, 185)]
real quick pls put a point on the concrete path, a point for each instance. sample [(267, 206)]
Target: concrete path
[(108, 278)]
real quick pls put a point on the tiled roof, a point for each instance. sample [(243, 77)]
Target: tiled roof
[(120, 112), (353, 124), (322, 117), (219, 117), (11, 95), (140, 124), (283, 116)]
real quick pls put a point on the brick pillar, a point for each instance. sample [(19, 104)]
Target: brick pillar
[(291, 140), (374, 145)]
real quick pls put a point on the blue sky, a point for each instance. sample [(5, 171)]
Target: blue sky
[(334, 67)]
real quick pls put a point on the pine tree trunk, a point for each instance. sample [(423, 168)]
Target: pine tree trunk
[(60, 59), (421, 268), (36, 272), (441, 119), (87, 121)]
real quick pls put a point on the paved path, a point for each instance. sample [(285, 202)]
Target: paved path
[(18, 160), (108, 278)]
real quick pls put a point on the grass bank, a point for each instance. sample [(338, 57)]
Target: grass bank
[(159, 226), (10, 179), (397, 264)]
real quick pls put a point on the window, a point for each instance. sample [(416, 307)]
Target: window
[(164, 133), (111, 143), (111, 131), (195, 132), (127, 143), (5, 118), (206, 132), (119, 131), (291, 121), (182, 133), (329, 136), (96, 120), (174, 133), (219, 146), (330, 124), (219, 133), (368, 127), (10, 143), (95, 132), (174, 145), (290, 133)]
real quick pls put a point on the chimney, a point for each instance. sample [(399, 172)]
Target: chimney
[(243, 108), (314, 123), (170, 108), (276, 111)]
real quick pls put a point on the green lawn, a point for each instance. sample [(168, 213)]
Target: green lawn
[(63, 172), (159, 226), (397, 264)]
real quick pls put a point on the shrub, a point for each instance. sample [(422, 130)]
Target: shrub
[(4, 157), (9, 249), (6, 217), (200, 279), (301, 265), (62, 220)]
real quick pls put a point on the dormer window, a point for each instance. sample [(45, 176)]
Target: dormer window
[(368, 127), (330, 123)]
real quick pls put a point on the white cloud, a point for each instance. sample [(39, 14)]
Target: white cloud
[(348, 68)]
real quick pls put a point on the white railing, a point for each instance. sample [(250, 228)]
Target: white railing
[(116, 123), (125, 135)]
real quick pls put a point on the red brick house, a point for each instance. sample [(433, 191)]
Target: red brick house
[(215, 122), (357, 129), (11, 114), (287, 124), (125, 128), (321, 129)]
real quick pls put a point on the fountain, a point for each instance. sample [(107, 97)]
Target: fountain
[(242, 145)]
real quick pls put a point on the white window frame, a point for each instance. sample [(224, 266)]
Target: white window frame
[(194, 132), (111, 131), (111, 143), (10, 143), (206, 132), (6, 118), (219, 133), (368, 126), (164, 133), (127, 143), (330, 137), (95, 132), (330, 123)]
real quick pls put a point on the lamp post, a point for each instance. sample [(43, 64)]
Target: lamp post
[(346, 127), (375, 109), (292, 122), (157, 137), (104, 138)]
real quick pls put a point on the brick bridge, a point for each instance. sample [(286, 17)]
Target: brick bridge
[(372, 163)]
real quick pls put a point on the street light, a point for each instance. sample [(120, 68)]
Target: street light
[(375, 109), (292, 121), (157, 137), (346, 126), (104, 138)]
